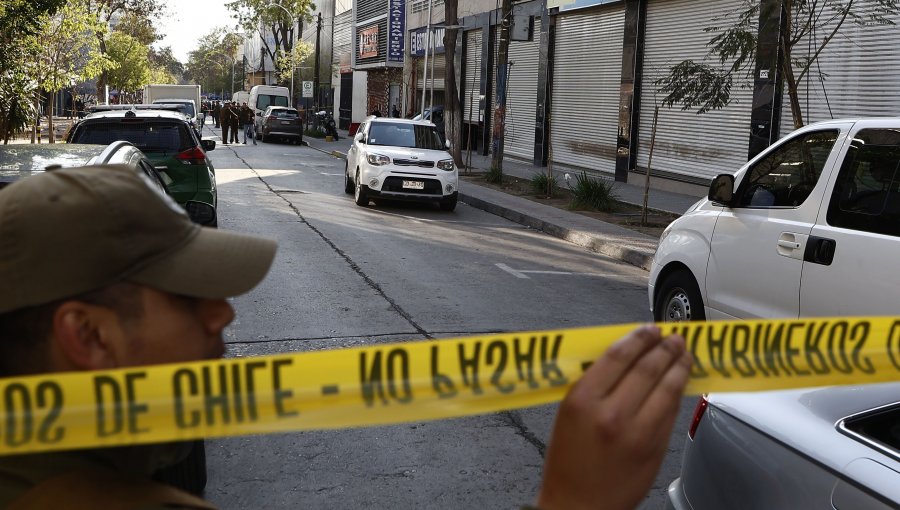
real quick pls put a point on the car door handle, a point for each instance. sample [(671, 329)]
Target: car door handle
[(790, 245), (820, 250)]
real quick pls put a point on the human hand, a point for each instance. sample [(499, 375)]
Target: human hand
[(613, 427)]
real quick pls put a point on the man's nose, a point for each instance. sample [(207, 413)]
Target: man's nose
[(217, 313)]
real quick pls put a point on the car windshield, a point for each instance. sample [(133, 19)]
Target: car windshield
[(264, 101), (148, 136), (398, 134)]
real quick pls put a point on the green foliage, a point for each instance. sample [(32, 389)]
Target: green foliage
[(596, 194), (132, 69), (543, 184), (494, 175), (139, 27), (692, 85), (315, 132), (214, 62)]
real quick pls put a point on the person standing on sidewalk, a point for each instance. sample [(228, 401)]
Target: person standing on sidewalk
[(234, 121), (224, 115), (247, 123), (216, 111)]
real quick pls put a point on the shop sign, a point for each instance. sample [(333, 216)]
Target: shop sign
[(418, 41), (368, 42), (396, 29)]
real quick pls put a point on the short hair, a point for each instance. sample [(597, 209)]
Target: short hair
[(24, 332)]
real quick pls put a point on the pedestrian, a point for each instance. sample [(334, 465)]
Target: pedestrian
[(247, 123), (234, 121), (224, 116), (216, 111), (88, 303)]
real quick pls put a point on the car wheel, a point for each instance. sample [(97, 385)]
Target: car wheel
[(189, 474), (449, 204), (348, 183), (679, 299), (361, 192)]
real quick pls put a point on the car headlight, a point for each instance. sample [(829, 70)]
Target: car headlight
[(445, 164), (378, 159)]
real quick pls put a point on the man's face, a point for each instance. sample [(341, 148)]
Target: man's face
[(174, 328)]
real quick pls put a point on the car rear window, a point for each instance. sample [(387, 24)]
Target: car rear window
[(404, 135), (147, 135), (285, 114)]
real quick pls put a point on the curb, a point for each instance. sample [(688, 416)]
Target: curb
[(334, 154), (611, 247)]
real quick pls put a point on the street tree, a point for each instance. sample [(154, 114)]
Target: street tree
[(498, 123), (138, 26), (19, 19), (707, 85), (214, 63), (162, 59), (67, 52), (452, 111), (132, 66), (286, 64), (273, 20), (110, 10)]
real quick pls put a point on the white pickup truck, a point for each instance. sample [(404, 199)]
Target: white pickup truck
[(810, 227)]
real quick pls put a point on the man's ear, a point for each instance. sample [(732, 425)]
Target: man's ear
[(85, 336)]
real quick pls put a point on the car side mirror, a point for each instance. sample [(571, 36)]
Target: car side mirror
[(360, 137), (208, 145), (447, 144), (259, 114), (721, 190)]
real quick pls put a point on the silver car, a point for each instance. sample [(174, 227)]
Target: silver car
[(816, 448)]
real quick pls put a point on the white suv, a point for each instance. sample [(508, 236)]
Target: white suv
[(810, 227), (400, 159)]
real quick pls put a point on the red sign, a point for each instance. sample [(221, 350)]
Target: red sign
[(368, 42)]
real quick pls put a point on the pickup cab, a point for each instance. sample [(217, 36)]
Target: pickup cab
[(809, 227)]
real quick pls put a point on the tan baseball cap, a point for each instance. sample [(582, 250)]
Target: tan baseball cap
[(75, 230)]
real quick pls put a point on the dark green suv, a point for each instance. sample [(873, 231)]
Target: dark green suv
[(168, 140)]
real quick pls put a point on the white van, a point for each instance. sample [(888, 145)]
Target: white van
[(264, 96)]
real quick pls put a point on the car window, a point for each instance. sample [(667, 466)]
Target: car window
[(285, 114), (263, 101), (404, 135), (785, 177), (149, 136), (867, 191)]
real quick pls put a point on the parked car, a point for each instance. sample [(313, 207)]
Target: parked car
[(810, 227), (22, 160), (400, 159), (280, 122), (168, 139), (836, 448)]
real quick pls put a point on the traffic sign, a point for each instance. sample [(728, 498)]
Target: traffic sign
[(307, 89)]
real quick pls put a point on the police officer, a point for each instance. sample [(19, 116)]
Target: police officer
[(224, 120)]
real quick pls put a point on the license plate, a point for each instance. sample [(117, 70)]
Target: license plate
[(413, 185), (285, 122)]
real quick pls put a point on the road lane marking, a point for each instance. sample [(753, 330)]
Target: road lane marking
[(517, 274), (523, 273)]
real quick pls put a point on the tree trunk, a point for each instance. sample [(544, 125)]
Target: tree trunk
[(499, 115), (51, 134), (788, 67), (452, 111), (35, 134)]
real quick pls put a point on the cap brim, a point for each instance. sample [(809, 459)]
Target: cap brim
[(213, 264)]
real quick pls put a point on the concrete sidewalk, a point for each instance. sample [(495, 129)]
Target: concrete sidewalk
[(611, 240)]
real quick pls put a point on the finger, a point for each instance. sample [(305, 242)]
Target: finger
[(604, 374), (661, 406), (638, 384)]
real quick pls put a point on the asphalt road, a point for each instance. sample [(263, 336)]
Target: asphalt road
[(348, 276)]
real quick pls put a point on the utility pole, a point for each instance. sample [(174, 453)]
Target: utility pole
[(316, 75), (499, 121)]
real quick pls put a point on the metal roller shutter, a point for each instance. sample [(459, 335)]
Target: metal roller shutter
[(521, 101), (861, 66), (472, 84), (440, 68), (587, 75), (698, 147)]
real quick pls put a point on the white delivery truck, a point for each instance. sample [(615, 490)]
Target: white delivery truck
[(241, 97), (188, 95)]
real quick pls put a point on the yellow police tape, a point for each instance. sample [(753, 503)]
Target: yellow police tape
[(416, 381)]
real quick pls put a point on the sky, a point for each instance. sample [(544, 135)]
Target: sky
[(188, 20)]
